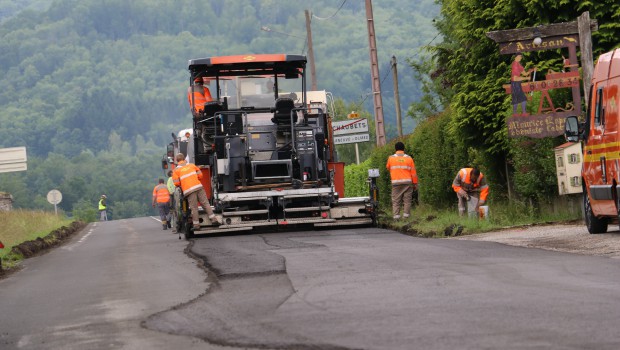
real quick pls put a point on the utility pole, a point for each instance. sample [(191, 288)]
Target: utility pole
[(374, 71), (310, 51), (399, 122)]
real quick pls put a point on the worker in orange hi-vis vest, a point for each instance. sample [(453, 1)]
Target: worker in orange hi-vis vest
[(404, 180), (201, 95), (187, 176), (471, 190), (161, 199)]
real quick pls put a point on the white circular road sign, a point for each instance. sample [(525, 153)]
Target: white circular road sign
[(54, 197)]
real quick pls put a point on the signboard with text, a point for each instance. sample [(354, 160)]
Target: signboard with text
[(352, 126), (13, 159), (547, 118), (339, 140)]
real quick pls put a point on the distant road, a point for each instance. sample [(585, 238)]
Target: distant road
[(127, 284)]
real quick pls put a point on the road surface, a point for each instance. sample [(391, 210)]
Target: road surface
[(94, 291), (128, 285), (378, 289)]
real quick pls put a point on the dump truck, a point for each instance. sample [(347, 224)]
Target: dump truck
[(265, 148)]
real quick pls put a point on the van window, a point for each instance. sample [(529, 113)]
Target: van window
[(599, 118)]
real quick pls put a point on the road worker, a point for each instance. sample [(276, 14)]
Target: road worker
[(172, 217), (198, 95), (404, 180), (103, 215), (161, 200), (471, 190), (187, 176)]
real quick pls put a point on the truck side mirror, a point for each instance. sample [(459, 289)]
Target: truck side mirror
[(164, 163), (571, 129)]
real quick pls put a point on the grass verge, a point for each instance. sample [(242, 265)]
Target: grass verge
[(429, 222), (19, 226)]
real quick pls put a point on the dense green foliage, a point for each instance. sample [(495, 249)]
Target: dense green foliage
[(93, 89), (126, 179), (356, 179), (464, 73)]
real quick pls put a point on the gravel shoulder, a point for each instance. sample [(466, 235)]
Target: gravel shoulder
[(565, 238)]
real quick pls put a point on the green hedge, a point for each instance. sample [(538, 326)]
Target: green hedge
[(437, 157)]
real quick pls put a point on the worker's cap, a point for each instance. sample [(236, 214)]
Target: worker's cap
[(103, 196)]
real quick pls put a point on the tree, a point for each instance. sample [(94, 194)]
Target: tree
[(470, 70)]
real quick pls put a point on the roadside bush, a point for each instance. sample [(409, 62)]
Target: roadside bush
[(85, 211), (355, 178)]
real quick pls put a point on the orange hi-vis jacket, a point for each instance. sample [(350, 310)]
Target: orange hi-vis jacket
[(187, 176), (402, 169), (202, 95), (463, 181), (159, 195)]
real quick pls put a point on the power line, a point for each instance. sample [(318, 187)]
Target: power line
[(390, 70), (365, 96), (332, 16)]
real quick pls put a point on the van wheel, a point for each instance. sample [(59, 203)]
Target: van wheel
[(594, 224)]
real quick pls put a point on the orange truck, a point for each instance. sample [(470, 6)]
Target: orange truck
[(600, 133)]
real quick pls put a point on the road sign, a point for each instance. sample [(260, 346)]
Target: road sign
[(13, 159), (339, 140), (353, 126), (54, 197), (353, 115)]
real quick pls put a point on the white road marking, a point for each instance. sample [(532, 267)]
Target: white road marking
[(80, 241)]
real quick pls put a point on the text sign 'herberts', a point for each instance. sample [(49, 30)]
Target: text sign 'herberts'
[(352, 126)]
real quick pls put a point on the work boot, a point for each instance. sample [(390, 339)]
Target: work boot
[(214, 220), (165, 226)]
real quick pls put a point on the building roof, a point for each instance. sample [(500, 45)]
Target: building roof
[(565, 145)]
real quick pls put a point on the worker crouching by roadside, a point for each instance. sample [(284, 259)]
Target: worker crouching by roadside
[(471, 190), (161, 199), (404, 180)]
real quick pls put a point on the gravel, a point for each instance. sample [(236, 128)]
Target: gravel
[(565, 238)]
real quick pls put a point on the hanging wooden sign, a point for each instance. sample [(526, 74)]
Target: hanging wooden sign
[(548, 119)]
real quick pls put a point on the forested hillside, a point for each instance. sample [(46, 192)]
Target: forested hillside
[(93, 88)]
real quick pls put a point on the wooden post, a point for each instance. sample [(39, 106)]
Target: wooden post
[(376, 82), (572, 58), (508, 181), (399, 123), (310, 52), (585, 43)]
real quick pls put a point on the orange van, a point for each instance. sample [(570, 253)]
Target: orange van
[(600, 133)]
